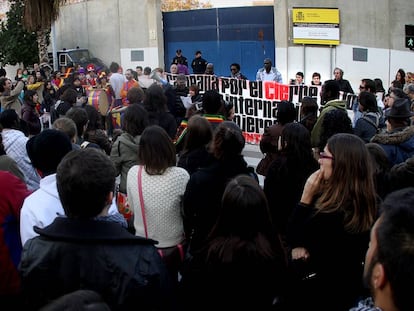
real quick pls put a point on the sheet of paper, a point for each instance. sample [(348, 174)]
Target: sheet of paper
[(186, 101)]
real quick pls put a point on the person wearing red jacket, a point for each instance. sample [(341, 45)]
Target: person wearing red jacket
[(13, 193)]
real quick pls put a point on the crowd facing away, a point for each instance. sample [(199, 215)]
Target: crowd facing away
[(117, 196)]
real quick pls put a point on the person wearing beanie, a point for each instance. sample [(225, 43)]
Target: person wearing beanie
[(398, 140)]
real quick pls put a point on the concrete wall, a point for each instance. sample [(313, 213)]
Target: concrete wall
[(111, 29), (375, 25)]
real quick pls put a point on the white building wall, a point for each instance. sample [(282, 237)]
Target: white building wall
[(375, 25), (112, 28)]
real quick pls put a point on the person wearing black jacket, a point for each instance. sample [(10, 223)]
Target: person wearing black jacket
[(344, 85), (179, 58), (85, 250), (199, 64)]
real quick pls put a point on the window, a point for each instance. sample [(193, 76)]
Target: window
[(137, 56)]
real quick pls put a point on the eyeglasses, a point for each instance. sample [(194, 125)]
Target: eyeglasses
[(323, 155), (233, 69)]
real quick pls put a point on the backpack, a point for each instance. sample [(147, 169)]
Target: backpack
[(374, 124)]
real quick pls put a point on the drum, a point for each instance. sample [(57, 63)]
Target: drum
[(117, 114), (99, 99)]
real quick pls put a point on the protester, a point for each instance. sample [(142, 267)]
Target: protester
[(330, 100), (398, 140), (344, 85), (45, 151), (202, 197), (13, 193), (269, 73), (243, 263), (155, 188), (329, 229), (287, 174), (389, 261), (14, 142), (124, 153), (286, 113), (84, 251)]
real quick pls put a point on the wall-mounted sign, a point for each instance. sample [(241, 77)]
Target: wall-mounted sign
[(316, 26)]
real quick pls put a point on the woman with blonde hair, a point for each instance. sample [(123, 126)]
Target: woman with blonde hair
[(329, 229)]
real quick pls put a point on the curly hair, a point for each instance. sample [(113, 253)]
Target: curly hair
[(335, 121)]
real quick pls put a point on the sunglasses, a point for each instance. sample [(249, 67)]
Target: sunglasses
[(362, 87), (323, 155)]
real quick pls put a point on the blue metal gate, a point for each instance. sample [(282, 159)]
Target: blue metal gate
[(243, 35)]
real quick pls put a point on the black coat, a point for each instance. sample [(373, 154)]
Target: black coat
[(75, 254), (336, 256), (202, 197), (283, 186), (199, 65)]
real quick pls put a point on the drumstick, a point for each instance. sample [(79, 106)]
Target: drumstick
[(117, 110)]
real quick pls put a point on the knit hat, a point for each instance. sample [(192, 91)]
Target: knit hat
[(400, 109), (47, 149)]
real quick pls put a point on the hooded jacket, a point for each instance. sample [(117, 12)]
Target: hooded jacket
[(317, 129), (124, 154), (398, 144)]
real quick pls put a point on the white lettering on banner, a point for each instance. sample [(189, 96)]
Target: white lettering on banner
[(255, 102)]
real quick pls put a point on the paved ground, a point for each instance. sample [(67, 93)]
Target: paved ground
[(253, 155)]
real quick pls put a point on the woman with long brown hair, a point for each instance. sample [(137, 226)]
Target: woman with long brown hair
[(155, 188), (329, 230)]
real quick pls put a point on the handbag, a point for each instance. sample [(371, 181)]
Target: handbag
[(172, 256)]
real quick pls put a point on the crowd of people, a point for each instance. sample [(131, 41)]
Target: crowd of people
[(116, 195)]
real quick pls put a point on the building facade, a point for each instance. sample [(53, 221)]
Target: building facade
[(131, 33)]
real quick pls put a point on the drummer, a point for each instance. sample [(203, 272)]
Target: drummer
[(103, 83), (128, 84), (91, 75)]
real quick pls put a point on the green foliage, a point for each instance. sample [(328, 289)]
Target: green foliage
[(16, 44)]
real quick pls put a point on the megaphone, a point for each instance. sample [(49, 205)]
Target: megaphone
[(156, 76)]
